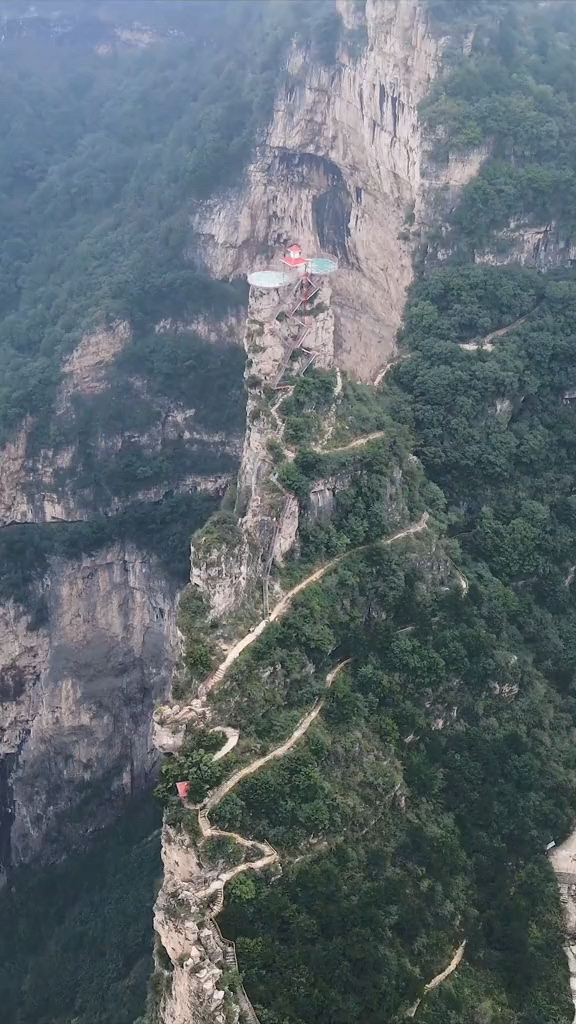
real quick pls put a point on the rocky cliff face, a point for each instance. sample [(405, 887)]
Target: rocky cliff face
[(41, 482), (340, 170), (80, 674), (230, 575), (544, 246), (193, 986), (76, 699)]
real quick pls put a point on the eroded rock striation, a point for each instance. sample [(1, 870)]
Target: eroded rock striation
[(77, 696), (42, 482), (88, 643), (340, 169)]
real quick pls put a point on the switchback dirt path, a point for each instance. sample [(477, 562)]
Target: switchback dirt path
[(358, 443), (268, 854), (456, 959), (291, 453), (214, 798), (304, 724), (285, 602), (382, 373), (216, 795)]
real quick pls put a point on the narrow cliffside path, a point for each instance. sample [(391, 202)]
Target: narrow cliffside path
[(232, 737), (304, 724), (393, 362), (321, 449), (267, 854), (358, 443), (563, 861), (216, 795), (456, 959), (285, 602), (291, 453)]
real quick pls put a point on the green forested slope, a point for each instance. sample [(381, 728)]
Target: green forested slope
[(515, 92), (103, 159), (416, 811)]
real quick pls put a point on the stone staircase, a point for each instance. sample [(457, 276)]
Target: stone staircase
[(303, 331), (218, 903), (247, 1012)]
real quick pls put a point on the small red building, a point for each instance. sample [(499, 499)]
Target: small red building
[(293, 257)]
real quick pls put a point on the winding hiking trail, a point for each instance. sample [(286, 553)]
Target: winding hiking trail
[(456, 959), (399, 358), (358, 443), (216, 795), (268, 855), (321, 449), (285, 602), (486, 342), (291, 453)]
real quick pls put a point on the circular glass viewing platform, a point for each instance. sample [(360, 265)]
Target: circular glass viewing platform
[(270, 279), (322, 265)]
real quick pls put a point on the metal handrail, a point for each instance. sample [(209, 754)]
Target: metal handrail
[(231, 958)]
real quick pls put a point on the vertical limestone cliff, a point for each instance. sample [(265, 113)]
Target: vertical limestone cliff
[(340, 169), (88, 643), (42, 482), (230, 574), (76, 699)]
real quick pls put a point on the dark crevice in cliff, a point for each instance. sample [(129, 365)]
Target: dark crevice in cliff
[(332, 218), (7, 764)]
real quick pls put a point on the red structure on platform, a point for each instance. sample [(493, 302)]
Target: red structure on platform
[(182, 788), (293, 257)]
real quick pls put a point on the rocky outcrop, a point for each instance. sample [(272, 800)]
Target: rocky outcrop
[(340, 170), (194, 991), (84, 371), (76, 699), (50, 484), (544, 246), (234, 571), (79, 675)]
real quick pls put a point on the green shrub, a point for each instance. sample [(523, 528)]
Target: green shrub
[(194, 764)]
